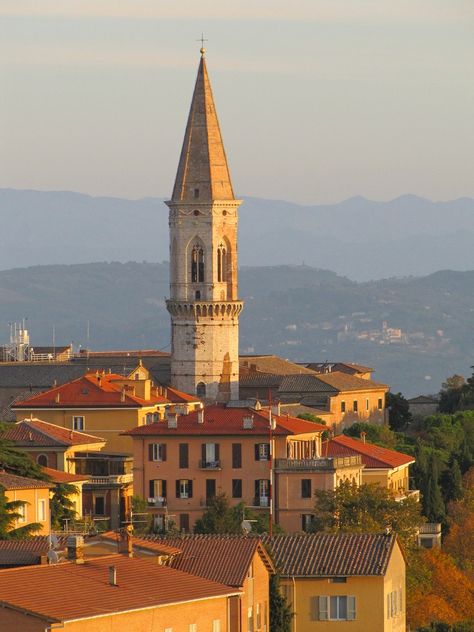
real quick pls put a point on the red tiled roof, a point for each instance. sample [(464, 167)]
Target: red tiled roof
[(64, 477), (34, 432), (373, 456), (91, 390), (134, 353), (12, 481), (219, 420), (26, 552), (221, 558), (178, 397), (329, 555), (69, 591), (156, 546)]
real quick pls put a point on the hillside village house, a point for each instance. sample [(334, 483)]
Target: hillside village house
[(385, 467), (34, 496), (182, 463), (105, 404), (343, 582)]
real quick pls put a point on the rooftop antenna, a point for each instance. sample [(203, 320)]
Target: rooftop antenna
[(54, 341)]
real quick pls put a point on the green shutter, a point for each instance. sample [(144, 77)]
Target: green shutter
[(351, 608), (323, 608)]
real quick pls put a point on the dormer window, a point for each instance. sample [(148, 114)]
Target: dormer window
[(196, 193)]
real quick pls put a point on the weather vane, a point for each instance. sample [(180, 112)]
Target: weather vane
[(202, 40)]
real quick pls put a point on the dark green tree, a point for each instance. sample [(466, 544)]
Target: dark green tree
[(17, 462), (220, 517), (399, 415), (280, 611), (451, 482), (451, 393), (61, 505), (9, 513), (142, 519), (433, 504)]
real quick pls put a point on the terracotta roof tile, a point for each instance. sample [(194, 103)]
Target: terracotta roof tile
[(329, 555), (35, 432), (224, 559), (26, 552), (271, 364), (328, 382), (12, 481), (373, 456), (68, 591), (57, 476), (146, 544), (221, 420)]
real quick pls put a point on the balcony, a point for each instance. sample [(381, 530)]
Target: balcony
[(210, 465), (261, 501), (322, 463), (117, 479), (158, 502)]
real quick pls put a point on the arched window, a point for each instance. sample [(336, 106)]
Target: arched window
[(201, 389), (221, 263), (42, 460), (197, 264)]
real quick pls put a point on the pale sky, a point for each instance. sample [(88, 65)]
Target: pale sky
[(318, 100)]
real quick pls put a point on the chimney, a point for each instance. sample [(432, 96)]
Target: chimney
[(171, 417), (75, 551), (57, 398), (276, 410), (201, 415), (248, 422), (122, 394), (125, 544), (362, 436), (113, 575)]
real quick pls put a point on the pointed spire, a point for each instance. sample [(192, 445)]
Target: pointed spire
[(203, 174)]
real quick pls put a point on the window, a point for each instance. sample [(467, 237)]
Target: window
[(338, 580), (149, 419), (306, 488), (236, 488), (380, 403), (42, 460), (197, 264), (262, 451), (236, 455), (193, 627), (168, 629), (157, 489), (201, 389), (367, 406), (343, 407), (307, 521), (394, 603), (333, 608), (250, 619), (197, 295), (21, 511), (258, 616), (157, 452), (78, 423), (210, 455), (184, 522), (184, 488), (42, 510), (210, 489), (183, 455), (216, 625), (221, 263), (355, 406), (262, 492), (196, 195), (99, 506)]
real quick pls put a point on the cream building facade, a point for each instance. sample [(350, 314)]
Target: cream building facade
[(203, 301)]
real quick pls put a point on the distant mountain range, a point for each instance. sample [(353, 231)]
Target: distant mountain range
[(358, 238), (413, 331)]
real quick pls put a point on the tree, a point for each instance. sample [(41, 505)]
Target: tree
[(17, 462), (399, 415), (451, 482), (451, 393), (280, 612), (366, 509), (61, 505), (220, 517), (8, 515), (141, 518), (432, 499), (379, 435)]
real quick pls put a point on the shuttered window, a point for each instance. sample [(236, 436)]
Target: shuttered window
[(236, 455), (157, 452), (236, 488), (183, 455), (333, 608)]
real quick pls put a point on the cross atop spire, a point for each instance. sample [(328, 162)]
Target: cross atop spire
[(203, 173), (202, 40)]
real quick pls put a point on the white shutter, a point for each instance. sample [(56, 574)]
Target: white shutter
[(351, 608), (323, 609)]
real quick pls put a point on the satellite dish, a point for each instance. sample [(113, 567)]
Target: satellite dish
[(53, 557), (53, 541), (246, 526)]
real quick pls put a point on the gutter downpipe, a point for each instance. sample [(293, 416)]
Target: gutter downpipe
[(294, 603)]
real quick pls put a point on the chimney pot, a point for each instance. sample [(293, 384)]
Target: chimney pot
[(75, 551), (200, 415), (113, 575)]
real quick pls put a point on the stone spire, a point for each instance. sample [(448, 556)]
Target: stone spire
[(203, 174)]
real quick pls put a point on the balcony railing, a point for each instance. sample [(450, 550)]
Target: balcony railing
[(115, 479), (158, 502), (210, 465), (432, 528), (322, 463), (261, 501)]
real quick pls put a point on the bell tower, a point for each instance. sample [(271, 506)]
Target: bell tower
[(203, 301)]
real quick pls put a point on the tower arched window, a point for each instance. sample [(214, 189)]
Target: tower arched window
[(42, 460), (201, 389), (197, 264), (221, 263)]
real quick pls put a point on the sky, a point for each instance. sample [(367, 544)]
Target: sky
[(318, 100)]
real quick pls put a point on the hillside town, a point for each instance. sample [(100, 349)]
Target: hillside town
[(203, 489)]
